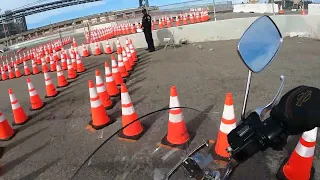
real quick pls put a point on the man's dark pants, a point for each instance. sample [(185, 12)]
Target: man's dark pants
[(149, 39)]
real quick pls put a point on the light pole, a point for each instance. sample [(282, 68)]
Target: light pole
[(214, 10), (273, 7)]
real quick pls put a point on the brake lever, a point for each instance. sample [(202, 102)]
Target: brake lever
[(262, 111)]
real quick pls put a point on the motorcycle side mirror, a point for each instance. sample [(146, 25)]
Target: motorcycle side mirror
[(259, 44), (257, 47)]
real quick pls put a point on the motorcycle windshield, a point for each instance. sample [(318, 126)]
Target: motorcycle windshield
[(149, 157)]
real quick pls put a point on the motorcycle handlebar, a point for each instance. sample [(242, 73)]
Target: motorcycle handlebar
[(253, 135)]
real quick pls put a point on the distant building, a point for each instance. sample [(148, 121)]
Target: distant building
[(12, 27)]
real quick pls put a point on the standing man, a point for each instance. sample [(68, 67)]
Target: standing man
[(146, 27)]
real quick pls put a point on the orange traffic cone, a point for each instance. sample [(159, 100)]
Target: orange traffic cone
[(53, 66), (133, 53), (74, 43), (85, 52), (185, 20), (281, 10), (17, 71), (62, 81), (35, 69), (122, 68), (108, 48), (11, 74), (44, 67), (112, 88), (47, 58), (177, 21), (126, 61), (6, 131), (97, 50), (115, 71), (178, 135), (19, 114), (228, 123), (36, 102), (102, 91), (119, 49), (64, 64), (303, 11), (26, 69), (80, 67), (160, 24), (3, 74), (135, 130), (130, 58), (74, 63), (299, 165), (71, 72), (55, 57), (100, 118), (50, 88)]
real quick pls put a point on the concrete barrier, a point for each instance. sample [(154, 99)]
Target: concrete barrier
[(314, 9), (289, 25), (308, 26), (42, 39), (255, 8)]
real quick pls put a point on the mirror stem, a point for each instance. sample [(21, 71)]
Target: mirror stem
[(244, 106)]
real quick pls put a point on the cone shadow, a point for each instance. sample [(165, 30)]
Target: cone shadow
[(18, 142), (136, 82), (194, 124), (10, 165), (38, 172)]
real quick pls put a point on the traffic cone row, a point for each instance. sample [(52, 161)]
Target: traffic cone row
[(44, 50), (38, 56)]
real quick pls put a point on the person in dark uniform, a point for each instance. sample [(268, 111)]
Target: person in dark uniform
[(147, 29)]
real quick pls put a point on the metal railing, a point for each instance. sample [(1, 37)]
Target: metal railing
[(188, 6)]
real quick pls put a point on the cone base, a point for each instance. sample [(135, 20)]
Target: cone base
[(43, 104), (115, 95), (64, 85), (74, 77), (216, 156), (58, 92), (185, 145), (110, 106), (24, 122), (125, 75), (101, 126), (280, 175), (79, 72), (26, 74), (136, 137), (15, 131), (35, 73), (124, 81)]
